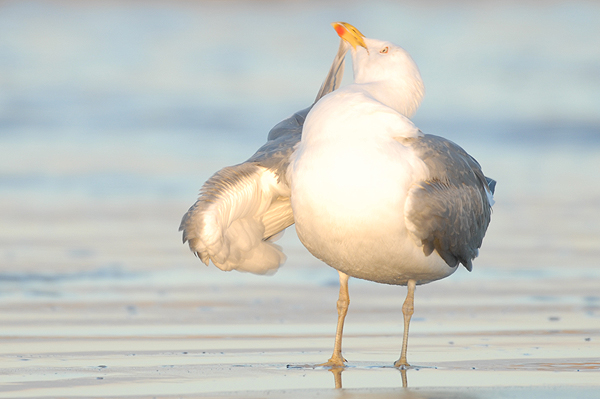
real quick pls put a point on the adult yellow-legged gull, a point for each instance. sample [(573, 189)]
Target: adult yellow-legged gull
[(371, 195)]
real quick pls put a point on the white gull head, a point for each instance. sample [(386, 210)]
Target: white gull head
[(389, 74), (384, 70)]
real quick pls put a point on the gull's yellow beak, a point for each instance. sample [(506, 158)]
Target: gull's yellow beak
[(350, 34)]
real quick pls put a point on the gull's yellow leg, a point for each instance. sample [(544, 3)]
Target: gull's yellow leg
[(342, 307), (407, 310)]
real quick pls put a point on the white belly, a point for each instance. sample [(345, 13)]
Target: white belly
[(348, 203)]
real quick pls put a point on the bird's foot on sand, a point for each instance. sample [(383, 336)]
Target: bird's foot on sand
[(334, 362), (402, 365)]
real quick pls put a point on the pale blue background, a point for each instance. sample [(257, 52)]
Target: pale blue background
[(111, 103)]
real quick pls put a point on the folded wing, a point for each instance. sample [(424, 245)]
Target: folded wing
[(450, 211)]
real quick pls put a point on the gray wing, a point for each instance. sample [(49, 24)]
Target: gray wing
[(242, 208), (282, 140), (451, 210), (283, 137)]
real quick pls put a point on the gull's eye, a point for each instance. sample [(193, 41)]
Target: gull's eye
[(384, 50)]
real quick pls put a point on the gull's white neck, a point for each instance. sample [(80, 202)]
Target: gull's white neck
[(404, 97)]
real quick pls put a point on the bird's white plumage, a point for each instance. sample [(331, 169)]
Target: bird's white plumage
[(242, 207), (370, 194), (350, 178), (352, 174)]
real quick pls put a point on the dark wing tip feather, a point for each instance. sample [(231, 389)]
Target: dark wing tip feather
[(468, 265), (183, 225)]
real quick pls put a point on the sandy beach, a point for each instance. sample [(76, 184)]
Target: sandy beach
[(188, 330), (113, 114)]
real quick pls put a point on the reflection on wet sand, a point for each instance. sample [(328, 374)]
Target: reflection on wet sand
[(399, 393), (337, 376), (555, 366)]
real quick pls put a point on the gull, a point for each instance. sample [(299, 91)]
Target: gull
[(370, 194)]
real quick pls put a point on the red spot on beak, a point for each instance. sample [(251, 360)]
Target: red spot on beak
[(340, 30)]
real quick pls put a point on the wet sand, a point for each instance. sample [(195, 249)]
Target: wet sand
[(169, 327), (112, 114)]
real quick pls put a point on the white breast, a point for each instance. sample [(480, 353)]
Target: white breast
[(349, 181)]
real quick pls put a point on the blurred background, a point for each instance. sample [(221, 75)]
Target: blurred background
[(114, 113)]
